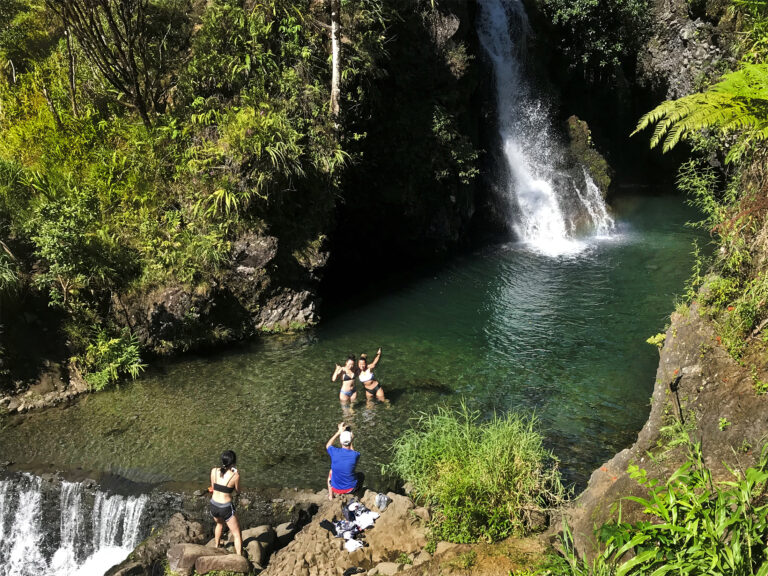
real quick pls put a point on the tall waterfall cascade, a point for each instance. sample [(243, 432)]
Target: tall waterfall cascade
[(70, 533), (547, 208)]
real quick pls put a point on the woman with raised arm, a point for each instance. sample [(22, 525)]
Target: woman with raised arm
[(367, 378), (224, 481), (348, 392)]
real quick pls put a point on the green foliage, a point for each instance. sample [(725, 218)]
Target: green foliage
[(694, 526), (105, 204), (732, 296), (657, 340), (755, 38), (737, 103), (463, 157), (109, 358), (760, 386), (484, 479), (9, 277), (723, 423), (599, 35)]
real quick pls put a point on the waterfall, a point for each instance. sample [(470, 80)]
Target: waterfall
[(546, 207), (64, 530)]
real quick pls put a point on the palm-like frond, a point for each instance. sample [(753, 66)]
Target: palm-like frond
[(739, 102)]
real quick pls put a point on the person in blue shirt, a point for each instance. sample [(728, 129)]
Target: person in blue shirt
[(342, 479)]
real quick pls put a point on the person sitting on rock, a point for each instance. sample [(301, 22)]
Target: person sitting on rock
[(342, 479), (224, 481)]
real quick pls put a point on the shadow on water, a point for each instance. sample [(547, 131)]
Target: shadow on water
[(504, 329)]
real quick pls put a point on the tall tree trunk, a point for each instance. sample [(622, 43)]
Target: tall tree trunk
[(52, 108), (335, 56), (72, 67)]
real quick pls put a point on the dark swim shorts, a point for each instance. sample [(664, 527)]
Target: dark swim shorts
[(222, 510)]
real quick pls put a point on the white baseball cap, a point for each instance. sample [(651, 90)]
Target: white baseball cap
[(345, 438)]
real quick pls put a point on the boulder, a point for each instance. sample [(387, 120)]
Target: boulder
[(222, 563), (128, 569), (263, 534), (422, 558), (386, 569), (182, 557), (397, 530), (257, 552), (443, 547), (284, 533)]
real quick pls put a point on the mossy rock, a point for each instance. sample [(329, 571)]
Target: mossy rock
[(584, 152)]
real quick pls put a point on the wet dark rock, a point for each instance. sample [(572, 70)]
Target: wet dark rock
[(128, 569), (252, 252)]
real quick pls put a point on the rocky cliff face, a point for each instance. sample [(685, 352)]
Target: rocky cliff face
[(690, 42), (262, 290), (697, 385), (411, 196)]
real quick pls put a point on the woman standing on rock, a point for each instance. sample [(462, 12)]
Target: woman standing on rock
[(365, 374), (224, 481), (348, 392)]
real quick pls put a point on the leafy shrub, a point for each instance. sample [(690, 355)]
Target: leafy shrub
[(109, 358), (598, 35), (484, 479), (694, 526)]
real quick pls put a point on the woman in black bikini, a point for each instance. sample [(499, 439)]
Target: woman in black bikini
[(348, 392), (365, 374), (224, 481)]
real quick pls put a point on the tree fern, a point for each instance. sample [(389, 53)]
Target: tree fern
[(738, 103)]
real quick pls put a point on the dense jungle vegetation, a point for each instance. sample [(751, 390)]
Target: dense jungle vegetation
[(726, 177), (139, 138)]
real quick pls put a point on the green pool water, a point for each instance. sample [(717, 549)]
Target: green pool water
[(504, 328)]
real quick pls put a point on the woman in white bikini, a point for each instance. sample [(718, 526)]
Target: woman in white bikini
[(365, 374), (348, 392)]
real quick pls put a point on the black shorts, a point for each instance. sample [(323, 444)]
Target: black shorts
[(374, 389), (222, 510)]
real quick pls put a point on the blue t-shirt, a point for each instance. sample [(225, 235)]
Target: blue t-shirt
[(343, 463)]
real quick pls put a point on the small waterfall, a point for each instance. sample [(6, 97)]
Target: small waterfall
[(546, 207), (66, 531)]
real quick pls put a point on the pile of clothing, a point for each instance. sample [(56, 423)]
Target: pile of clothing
[(356, 518)]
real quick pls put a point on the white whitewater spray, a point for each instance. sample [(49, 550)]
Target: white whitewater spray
[(540, 215), (85, 542)]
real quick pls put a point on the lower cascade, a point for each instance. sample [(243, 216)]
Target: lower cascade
[(66, 531), (548, 208)]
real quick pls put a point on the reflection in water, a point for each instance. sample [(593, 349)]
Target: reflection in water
[(506, 329)]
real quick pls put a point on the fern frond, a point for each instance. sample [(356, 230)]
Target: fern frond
[(738, 103)]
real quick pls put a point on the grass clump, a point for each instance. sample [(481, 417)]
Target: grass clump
[(485, 480)]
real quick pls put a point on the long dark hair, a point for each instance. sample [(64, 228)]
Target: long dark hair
[(228, 460)]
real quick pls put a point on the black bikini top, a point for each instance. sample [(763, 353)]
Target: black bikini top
[(345, 377), (225, 489)]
